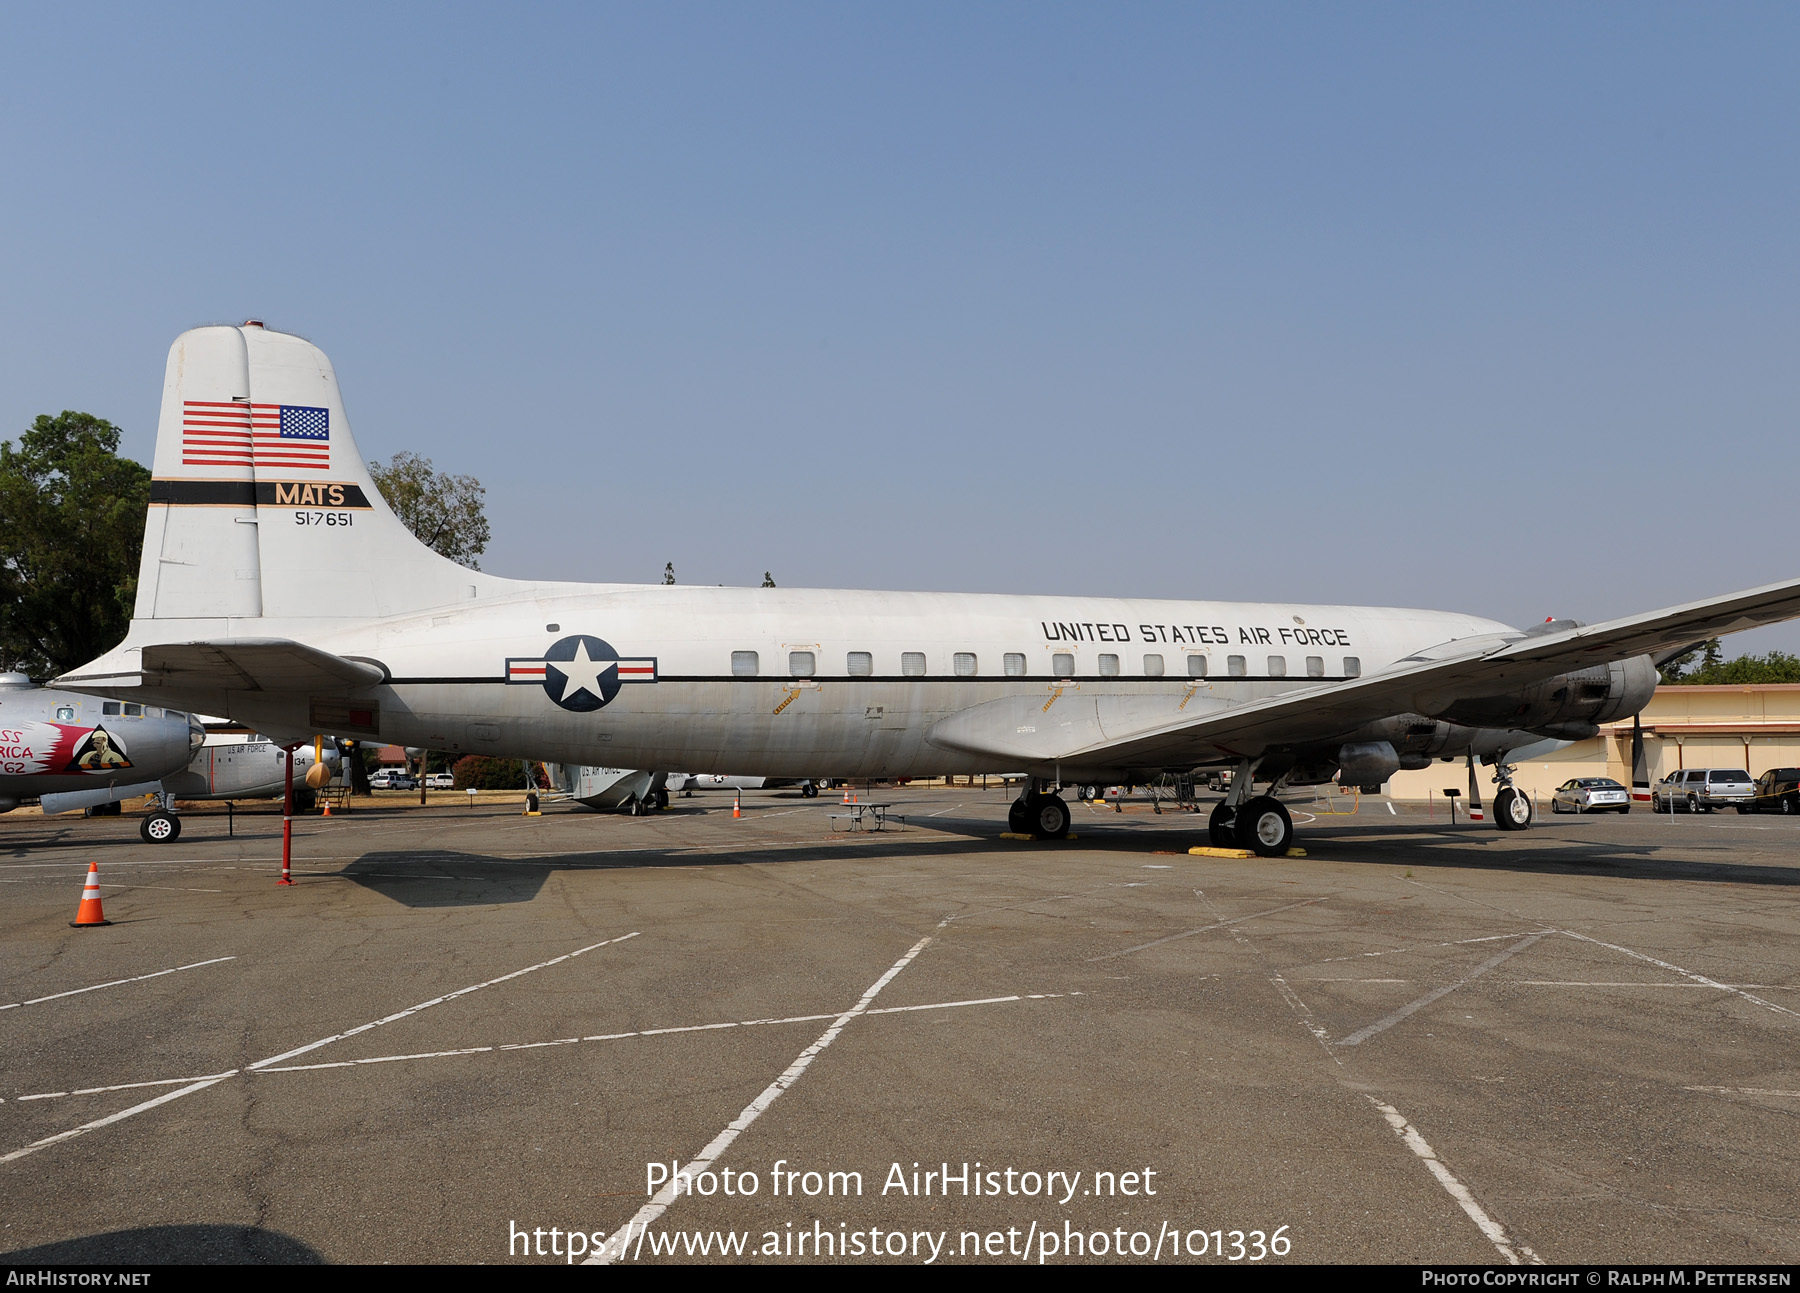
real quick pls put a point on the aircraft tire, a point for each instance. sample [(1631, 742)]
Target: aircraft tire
[(662, 799), (1218, 827), (160, 828), (1512, 810), (1049, 818), (1018, 818), (1264, 827)]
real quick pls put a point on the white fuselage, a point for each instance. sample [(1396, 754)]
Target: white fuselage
[(928, 655)]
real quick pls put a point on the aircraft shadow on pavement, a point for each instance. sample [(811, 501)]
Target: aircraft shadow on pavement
[(435, 878), (1534, 853), (172, 1245)]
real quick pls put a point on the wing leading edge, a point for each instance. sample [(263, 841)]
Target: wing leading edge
[(1077, 730)]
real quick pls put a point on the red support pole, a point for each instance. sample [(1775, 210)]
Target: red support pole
[(287, 820)]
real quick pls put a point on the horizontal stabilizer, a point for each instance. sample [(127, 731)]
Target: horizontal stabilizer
[(256, 664)]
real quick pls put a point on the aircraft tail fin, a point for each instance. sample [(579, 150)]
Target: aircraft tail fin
[(261, 503)]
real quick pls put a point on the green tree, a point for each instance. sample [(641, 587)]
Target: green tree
[(669, 572), (71, 530), (445, 512), (768, 580), (1745, 671)]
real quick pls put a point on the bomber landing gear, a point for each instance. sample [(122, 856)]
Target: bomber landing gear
[(160, 828), (1512, 806), (1045, 817), (1512, 810)]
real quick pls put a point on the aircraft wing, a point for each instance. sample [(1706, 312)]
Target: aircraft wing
[(246, 664), (1125, 731)]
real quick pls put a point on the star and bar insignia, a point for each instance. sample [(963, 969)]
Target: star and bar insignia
[(580, 673)]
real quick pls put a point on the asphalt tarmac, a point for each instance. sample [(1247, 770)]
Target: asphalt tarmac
[(464, 1034)]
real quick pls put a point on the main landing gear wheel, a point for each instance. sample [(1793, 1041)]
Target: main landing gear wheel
[(1264, 827), (1219, 827), (1018, 819), (662, 799), (160, 828), (1512, 810), (1048, 817), (809, 790)]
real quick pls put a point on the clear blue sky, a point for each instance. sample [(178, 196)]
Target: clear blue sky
[(1484, 307)]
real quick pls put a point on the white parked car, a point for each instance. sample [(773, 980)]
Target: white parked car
[(1700, 790), (440, 781), (1590, 795)]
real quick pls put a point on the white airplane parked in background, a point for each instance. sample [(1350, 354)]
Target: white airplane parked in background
[(278, 589)]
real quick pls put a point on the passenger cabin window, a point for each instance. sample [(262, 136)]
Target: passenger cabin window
[(65, 713), (109, 707), (1315, 666), (859, 664), (1234, 665), (1062, 664), (134, 711), (1352, 667), (802, 664), (1153, 666), (1109, 665), (912, 664), (1196, 666), (151, 711), (1277, 666), (965, 664), (1015, 664), (743, 664)]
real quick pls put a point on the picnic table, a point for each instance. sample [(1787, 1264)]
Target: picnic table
[(866, 817)]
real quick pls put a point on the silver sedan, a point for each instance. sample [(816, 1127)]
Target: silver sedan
[(1590, 795)]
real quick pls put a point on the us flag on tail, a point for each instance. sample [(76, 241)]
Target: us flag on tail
[(233, 433)]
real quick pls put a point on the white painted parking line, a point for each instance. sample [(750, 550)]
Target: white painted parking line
[(124, 1086), (1689, 974), (1189, 933), (1740, 1090), (642, 1032), (614, 1248), (201, 1084), (1514, 1252), (1621, 983), (76, 992), (1362, 1035), (435, 1001), (1395, 951), (109, 1120)]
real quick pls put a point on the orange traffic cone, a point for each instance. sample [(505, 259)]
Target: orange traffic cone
[(737, 808), (327, 811), (89, 913), (846, 792)]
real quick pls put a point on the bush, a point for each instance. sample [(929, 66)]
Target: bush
[(479, 772)]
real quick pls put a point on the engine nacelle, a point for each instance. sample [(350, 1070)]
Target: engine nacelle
[(1569, 706), (1367, 763)]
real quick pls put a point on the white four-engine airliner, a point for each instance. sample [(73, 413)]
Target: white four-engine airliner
[(278, 589)]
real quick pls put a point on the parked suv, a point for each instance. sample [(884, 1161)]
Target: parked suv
[(1778, 791), (1700, 790), (392, 779)]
